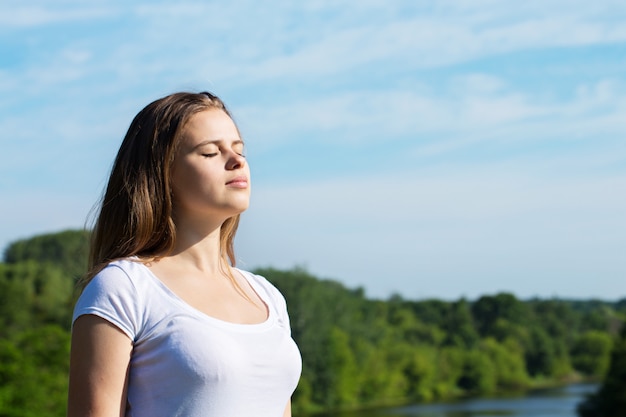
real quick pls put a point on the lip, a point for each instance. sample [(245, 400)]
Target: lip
[(238, 182)]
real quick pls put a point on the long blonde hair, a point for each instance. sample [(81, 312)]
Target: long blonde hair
[(135, 217)]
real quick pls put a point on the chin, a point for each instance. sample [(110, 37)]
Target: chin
[(240, 208)]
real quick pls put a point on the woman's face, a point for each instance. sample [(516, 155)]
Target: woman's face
[(210, 176)]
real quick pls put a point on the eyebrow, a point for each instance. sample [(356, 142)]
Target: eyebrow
[(217, 141)]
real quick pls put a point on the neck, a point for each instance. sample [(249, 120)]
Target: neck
[(198, 246)]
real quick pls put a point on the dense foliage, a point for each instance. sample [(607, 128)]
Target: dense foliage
[(37, 292), (359, 352), (610, 400), (356, 351)]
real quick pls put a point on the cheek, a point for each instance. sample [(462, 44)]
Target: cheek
[(177, 184), (185, 175), (191, 183), (184, 183)]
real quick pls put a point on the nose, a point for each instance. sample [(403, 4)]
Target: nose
[(235, 161)]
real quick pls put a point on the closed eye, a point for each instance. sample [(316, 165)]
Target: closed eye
[(209, 155), (238, 148)]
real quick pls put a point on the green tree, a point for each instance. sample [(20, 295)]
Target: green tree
[(610, 400), (67, 250), (488, 310), (356, 351), (458, 325), (508, 363), (591, 353), (342, 384), (33, 293), (33, 373), (540, 354), (449, 369), (479, 374), (420, 373), (381, 378)]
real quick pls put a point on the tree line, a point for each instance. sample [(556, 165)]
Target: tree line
[(357, 351)]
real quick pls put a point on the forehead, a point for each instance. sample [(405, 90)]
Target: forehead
[(209, 125)]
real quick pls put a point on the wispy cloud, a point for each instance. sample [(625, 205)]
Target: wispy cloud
[(475, 108), (16, 15), (425, 39), (488, 136)]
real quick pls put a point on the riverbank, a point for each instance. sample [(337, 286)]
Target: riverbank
[(538, 387), (557, 400)]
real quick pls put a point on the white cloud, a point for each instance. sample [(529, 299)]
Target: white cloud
[(327, 40), (18, 16), (488, 110), (538, 208), (200, 42), (427, 40)]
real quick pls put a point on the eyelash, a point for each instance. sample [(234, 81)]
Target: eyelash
[(211, 155)]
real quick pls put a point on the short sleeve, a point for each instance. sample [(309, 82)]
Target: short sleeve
[(277, 300), (112, 296), (281, 307)]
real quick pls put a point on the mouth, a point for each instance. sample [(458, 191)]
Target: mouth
[(238, 182)]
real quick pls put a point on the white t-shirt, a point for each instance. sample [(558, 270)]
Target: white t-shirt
[(188, 364)]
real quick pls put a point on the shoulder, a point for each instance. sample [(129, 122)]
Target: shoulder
[(116, 294), (123, 273), (273, 296), (263, 283)]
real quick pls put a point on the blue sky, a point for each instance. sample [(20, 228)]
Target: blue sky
[(433, 149)]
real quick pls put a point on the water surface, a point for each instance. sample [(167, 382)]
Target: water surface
[(554, 402)]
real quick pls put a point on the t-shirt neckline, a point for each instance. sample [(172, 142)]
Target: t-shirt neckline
[(262, 294)]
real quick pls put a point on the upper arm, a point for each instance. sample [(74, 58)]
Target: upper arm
[(99, 361), (287, 412)]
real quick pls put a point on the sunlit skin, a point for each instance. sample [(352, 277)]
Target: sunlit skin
[(210, 176), (210, 183)]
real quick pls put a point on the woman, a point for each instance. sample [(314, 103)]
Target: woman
[(166, 326)]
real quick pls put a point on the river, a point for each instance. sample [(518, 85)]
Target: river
[(553, 402)]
